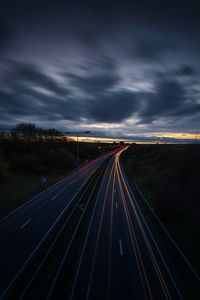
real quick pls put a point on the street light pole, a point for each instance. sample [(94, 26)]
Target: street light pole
[(77, 162), (77, 151)]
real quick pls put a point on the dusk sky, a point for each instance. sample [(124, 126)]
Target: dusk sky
[(119, 69)]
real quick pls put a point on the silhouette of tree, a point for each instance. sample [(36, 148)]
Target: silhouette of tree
[(26, 131), (53, 133)]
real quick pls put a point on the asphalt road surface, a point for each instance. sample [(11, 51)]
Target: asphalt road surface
[(120, 258), (23, 230)]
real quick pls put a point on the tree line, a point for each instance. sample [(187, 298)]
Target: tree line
[(29, 132)]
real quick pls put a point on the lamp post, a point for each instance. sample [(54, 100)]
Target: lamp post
[(77, 133)]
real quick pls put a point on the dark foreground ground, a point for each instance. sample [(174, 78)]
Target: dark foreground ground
[(169, 177), (22, 164)]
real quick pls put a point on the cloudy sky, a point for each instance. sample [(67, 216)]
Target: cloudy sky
[(119, 69)]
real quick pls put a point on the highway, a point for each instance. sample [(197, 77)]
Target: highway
[(24, 229), (118, 257)]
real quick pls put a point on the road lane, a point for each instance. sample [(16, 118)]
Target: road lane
[(21, 227), (121, 259), (23, 230), (102, 257), (156, 272), (89, 253)]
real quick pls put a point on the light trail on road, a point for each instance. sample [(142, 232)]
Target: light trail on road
[(117, 257), (125, 263)]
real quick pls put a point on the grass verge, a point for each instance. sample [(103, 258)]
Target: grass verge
[(181, 228)]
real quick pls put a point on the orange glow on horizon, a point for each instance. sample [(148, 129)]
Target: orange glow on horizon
[(179, 136), (89, 139)]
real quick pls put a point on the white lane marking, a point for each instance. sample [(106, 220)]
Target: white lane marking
[(19, 272), (116, 205), (58, 194), (25, 223), (120, 247)]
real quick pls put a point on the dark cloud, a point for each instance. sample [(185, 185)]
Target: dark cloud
[(33, 104), (5, 37), (112, 107), (169, 100), (106, 9), (98, 64), (15, 106), (94, 84), (27, 75), (187, 110), (102, 51), (150, 50), (186, 71), (183, 72), (169, 95), (25, 91), (20, 99)]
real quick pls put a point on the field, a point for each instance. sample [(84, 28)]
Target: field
[(169, 177), (23, 164)]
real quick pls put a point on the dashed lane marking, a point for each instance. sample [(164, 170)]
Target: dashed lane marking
[(25, 223), (120, 247)]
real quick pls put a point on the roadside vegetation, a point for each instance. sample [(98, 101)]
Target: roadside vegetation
[(169, 177), (28, 154)]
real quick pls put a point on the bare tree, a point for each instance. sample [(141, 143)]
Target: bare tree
[(53, 133), (3, 136), (26, 132)]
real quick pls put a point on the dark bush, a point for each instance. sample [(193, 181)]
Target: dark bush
[(29, 163), (61, 159), (4, 166), (174, 185)]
